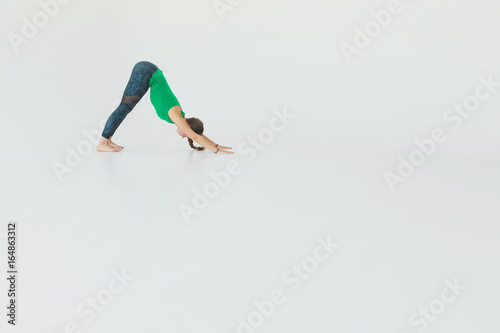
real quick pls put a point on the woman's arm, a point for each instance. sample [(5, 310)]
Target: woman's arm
[(211, 142), (176, 116), (216, 145)]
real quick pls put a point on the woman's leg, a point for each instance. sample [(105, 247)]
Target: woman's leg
[(137, 87)]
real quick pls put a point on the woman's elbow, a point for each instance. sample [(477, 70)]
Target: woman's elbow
[(195, 137)]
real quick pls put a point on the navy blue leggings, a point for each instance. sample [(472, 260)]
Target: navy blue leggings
[(137, 87)]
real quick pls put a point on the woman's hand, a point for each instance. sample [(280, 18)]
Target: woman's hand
[(222, 151)]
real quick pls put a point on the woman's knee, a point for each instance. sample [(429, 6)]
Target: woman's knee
[(131, 99)]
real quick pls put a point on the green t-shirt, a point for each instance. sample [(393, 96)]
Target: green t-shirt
[(162, 97)]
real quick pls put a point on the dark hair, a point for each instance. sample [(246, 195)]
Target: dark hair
[(197, 127)]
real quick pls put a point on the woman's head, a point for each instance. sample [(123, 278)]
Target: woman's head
[(197, 127)]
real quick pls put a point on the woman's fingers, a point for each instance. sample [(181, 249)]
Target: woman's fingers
[(225, 152), (224, 147)]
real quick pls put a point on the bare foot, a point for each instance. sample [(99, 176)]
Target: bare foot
[(104, 145), (107, 147), (112, 144)]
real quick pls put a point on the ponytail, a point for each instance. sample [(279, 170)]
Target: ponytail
[(190, 141), (197, 127)]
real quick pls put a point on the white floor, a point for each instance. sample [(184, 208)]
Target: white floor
[(120, 212)]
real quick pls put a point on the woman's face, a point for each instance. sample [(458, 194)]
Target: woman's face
[(181, 133)]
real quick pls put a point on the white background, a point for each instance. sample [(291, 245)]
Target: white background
[(322, 175)]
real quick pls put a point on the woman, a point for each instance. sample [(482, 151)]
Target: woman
[(146, 75)]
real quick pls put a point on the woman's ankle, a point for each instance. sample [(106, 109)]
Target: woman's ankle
[(103, 140)]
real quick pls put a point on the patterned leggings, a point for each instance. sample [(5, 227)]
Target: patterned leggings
[(137, 87)]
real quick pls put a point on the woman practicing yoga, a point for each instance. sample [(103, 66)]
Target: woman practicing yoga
[(145, 75)]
